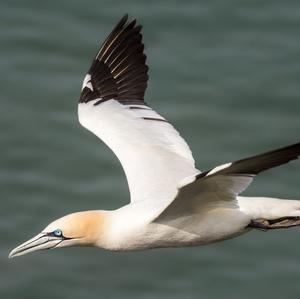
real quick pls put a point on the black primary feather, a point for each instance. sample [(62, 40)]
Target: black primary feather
[(119, 69), (256, 164)]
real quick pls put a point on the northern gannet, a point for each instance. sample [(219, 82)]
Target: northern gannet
[(172, 202)]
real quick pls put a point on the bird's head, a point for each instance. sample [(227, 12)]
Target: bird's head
[(77, 229)]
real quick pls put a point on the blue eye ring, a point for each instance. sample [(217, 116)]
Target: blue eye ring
[(57, 233)]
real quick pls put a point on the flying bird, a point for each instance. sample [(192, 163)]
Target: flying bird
[(172, 203)]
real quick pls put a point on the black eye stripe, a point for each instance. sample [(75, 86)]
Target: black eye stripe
[(52, 234), (56, 233)]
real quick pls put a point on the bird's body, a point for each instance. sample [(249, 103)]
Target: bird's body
[(130, 228), (172, 203), (127, 231)]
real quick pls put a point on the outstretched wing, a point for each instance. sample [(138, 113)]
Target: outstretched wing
[(153, 154), (225, 182)]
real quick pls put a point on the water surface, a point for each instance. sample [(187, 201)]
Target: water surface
[(226, 74)]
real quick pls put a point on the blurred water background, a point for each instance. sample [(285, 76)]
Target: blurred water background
[(225, 73)]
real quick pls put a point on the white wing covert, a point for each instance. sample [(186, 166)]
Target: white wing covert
[(153, 154), (225, 182)]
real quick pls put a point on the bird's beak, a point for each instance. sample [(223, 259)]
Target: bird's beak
[(39, 242)]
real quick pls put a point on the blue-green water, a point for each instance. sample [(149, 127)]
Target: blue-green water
[(225, 73)]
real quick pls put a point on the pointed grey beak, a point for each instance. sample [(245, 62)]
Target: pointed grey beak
[(39, 242)]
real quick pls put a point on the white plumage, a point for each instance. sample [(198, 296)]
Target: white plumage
[(154, 156), (172, 203)]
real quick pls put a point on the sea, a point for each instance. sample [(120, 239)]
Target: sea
[(226, 74)]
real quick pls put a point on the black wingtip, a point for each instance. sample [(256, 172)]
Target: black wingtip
[(256, 164), (267, 160), (119, 70), (124, 18)]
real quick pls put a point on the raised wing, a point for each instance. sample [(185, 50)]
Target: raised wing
[(225, 182), (154, 156)]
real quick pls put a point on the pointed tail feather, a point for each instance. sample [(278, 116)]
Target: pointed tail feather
[(270, 213)]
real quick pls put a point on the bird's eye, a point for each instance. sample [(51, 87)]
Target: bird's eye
[(57, 233)]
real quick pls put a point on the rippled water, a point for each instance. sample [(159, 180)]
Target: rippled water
[(226, 73)]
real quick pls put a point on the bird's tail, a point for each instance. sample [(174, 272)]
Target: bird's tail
[(270, 213)]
